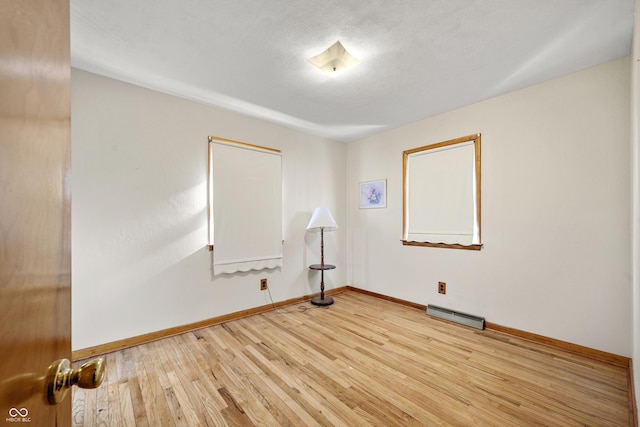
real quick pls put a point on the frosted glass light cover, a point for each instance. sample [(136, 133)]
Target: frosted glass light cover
[(334, 59)]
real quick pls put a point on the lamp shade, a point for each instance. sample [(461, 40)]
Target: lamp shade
[(322, 220)]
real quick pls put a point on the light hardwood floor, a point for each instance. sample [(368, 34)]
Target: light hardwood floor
[(362, 361)]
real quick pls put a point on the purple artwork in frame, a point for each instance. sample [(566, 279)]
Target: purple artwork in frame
[(373, 194)]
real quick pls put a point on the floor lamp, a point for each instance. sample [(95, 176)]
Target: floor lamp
[(322, 221)]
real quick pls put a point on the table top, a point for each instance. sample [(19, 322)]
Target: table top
[(322, 267)]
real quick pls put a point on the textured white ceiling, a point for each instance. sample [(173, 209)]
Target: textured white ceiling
[(419, 57)]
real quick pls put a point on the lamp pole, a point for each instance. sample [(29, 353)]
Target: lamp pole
[(321, 263), (322, 246), (321, 300), (320, 220)]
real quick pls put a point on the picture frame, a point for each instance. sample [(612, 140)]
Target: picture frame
[(373, 194)]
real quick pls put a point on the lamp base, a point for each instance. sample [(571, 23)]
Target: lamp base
[(327, 300)]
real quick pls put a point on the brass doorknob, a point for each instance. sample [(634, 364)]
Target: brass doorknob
[(60, 378)]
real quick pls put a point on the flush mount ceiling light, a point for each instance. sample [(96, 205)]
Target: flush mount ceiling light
[(334, 59)]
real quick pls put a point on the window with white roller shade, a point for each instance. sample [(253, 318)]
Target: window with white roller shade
[(441, 192), (441, 207), (246, 198)]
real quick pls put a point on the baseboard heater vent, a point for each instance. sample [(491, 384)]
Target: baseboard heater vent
[(456, 316)]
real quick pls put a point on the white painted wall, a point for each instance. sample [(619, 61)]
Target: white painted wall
[(555, 212), (139, 221)]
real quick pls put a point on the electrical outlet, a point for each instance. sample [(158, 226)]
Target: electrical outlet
[(263, 284), (442, 288)]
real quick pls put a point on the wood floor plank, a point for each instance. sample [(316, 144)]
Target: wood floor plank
[(155, 403), (125, 410), (149, 394), (362, 361), (113, 363), (212, 411), (286, 405), (78, 407), (102, 407)]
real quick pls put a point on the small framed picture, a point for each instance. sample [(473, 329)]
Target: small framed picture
[(373, 194)]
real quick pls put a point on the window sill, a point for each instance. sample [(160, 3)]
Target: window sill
[(474, 247)]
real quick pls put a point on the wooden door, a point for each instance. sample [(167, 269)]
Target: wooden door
[(35, 252)]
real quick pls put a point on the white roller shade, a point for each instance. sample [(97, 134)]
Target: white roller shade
[(247, 208), (445, 175)]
